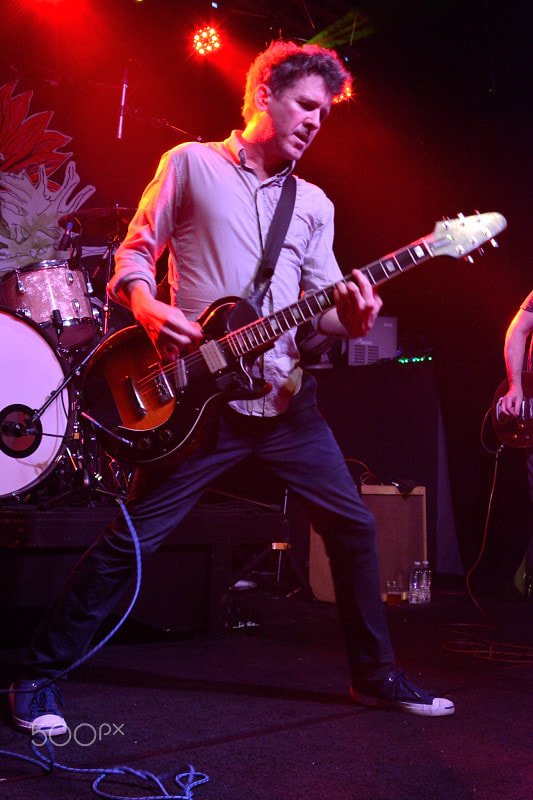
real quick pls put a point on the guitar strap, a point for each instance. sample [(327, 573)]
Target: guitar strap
[(275, 238)]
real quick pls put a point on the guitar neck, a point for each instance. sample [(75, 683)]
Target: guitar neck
[(262, 332)]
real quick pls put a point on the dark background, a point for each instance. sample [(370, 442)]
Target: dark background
[(440, 124)]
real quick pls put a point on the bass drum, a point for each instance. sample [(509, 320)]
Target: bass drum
[(31, 371)]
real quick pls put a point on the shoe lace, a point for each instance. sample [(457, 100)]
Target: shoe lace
[(47, 699), (403, 689)]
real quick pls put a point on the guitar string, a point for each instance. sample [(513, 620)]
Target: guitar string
[(234, 339), (368, 270), (246, 335)]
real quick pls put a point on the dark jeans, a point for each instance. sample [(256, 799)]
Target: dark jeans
[(529, 548), (299, 449)]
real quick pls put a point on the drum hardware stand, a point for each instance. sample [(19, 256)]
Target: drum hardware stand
[(280, 548), (92, 479), (109, 260)]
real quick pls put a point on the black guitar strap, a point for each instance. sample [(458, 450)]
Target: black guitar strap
[(275, 238)]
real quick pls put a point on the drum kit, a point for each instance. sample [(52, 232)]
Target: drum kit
[(51, 323)]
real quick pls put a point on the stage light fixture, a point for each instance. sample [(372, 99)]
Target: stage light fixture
[(206, 41)]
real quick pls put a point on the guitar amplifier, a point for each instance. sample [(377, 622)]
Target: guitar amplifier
[(380, 343), (401, 538)]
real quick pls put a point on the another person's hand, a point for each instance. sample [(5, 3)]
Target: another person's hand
[(511, 402)]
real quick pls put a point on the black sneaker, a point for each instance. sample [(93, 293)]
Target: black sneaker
[(36, 708), (397, 692)]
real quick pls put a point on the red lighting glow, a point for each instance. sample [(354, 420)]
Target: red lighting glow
[(206, 41), (346, 93)]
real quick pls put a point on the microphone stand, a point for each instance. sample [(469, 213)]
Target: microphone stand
[(160, 122)]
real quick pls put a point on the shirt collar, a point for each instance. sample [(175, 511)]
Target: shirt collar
[(235, 146)]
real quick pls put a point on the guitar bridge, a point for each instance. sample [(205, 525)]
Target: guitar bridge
[(162, 387), (135, 397)]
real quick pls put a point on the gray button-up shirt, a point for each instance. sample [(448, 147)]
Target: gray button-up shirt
[(214, 213)]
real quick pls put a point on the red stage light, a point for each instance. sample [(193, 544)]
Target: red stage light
[(206, 41), (346, 93)]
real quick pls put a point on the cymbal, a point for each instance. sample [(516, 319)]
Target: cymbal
[(107, 223)]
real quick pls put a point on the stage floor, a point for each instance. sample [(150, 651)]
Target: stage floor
[(263, 709)]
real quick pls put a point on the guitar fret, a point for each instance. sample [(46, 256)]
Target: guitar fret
[(390, 266), (236, 341), (419, 251), (262, 334), (288, 322), (249, 337), (264, 330), (269, 329), (306, 301), (296, 313), (377, 271), (405, 259)]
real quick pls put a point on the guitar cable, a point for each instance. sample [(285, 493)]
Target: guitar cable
[(185, 780), (475, 644)]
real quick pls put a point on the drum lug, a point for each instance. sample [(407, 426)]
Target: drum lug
[(24, 312), (76, 306), (69, 276), (20, 287)]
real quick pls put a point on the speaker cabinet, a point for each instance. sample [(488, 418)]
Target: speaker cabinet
[(388, 416), (401, 538)]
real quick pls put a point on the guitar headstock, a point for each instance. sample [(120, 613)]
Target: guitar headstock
[(461, 236)]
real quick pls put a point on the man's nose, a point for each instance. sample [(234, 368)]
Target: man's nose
[(313, 120)]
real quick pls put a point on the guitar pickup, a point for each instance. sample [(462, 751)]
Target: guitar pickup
[(135, 397), (213, 356)]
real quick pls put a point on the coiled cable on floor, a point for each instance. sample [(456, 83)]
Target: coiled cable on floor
[(122, 620), (187, 781)]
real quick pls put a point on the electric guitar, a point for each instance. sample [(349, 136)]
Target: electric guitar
[(515, 431), (144, 410)]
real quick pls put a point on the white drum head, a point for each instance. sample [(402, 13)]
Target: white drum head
[(30, 372)]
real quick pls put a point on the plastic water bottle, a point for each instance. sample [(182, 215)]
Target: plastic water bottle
[(425, 583), (415, 583)]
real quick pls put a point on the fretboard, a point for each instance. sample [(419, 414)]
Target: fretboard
[(265, 330)]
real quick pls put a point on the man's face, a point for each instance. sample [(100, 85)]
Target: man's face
[(296, 116)]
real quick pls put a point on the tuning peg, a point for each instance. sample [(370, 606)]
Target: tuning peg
[(494, 243), (469, 259)]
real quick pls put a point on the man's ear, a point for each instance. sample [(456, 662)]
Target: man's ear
[(262, 94)]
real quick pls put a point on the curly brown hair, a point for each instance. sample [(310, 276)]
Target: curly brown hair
[(283, 63)]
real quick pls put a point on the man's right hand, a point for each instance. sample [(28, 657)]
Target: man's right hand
[(170, 331)]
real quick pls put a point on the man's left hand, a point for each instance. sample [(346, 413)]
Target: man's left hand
[(358, 304)]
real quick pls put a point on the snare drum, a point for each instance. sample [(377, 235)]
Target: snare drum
[(29, 444), (53, 294)]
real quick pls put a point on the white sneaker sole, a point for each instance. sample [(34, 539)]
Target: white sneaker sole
[(440, 707), (49, 724)]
